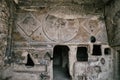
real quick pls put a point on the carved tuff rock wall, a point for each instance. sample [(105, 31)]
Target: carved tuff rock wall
[(42, 34), (112, 21), (4, 14), (36, 35), (48, 28), (113, 27)]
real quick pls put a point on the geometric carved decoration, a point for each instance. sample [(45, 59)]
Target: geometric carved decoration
[(50, 28), (91, 26), (60, 30), (28, 25), (102, 36), (83, 34)]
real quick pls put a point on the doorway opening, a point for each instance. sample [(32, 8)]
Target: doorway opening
[(61, 63)]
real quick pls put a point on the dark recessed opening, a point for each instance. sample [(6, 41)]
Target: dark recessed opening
[(29, 61), (92, 39), (61, 63), (107, 51), (82, 54), (97, 50)]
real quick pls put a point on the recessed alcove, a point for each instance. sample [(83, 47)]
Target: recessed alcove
[(82, 54), (107, 51), (96, 50), (61, 62), (29, 62)]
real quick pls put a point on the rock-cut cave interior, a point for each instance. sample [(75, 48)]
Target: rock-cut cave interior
[(59, 39)]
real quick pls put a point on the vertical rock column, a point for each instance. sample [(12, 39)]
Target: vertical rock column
[(4, 15)]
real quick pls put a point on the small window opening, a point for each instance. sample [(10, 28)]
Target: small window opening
[(29, 61), (82, 54), (107, 51), (97, 50)]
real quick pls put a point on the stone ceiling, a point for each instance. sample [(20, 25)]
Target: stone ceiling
[(63, 7), (76, 1), (77, 7), (38, 4)]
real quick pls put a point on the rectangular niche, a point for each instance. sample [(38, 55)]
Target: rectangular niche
[(107, 51), (97, 51), (82, 53)]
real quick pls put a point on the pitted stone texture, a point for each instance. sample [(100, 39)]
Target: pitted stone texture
[(113, 22), (4, 14)]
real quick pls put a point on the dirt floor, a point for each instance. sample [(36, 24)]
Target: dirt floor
[(60, 74)]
